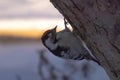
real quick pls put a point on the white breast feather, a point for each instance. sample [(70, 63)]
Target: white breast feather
[(50, 44)]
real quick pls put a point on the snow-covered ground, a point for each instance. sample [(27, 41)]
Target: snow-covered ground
[(20, 60)]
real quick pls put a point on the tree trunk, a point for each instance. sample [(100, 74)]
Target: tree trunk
[(97, 22)]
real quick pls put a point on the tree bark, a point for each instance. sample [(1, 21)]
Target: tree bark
[(97, 22)]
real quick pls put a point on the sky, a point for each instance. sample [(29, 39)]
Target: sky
[(28, 14)]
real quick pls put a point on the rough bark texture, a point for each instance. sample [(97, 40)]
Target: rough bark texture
[(97, 22)]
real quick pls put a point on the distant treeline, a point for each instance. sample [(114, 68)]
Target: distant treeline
[(16, 38)]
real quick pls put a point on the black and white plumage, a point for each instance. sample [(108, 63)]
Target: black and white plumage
[(51, 42), (66, 45)]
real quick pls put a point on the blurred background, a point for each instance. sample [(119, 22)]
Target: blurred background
[(22, 55)]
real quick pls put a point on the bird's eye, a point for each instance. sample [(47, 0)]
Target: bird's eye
[(49, 34)]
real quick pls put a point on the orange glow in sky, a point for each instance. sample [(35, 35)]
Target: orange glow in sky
[(28, 17), (28, 27)]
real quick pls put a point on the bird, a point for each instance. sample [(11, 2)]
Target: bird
[(65, 44), (50, 42)]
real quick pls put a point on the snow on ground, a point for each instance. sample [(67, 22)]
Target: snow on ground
[(20, 60)]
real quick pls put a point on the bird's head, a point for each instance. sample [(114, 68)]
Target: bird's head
[(49, 34)]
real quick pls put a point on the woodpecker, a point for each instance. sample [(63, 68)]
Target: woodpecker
[(50, 41), (66, 45)]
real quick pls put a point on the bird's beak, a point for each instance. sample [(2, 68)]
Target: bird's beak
[(54, 33), (55, 28)]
